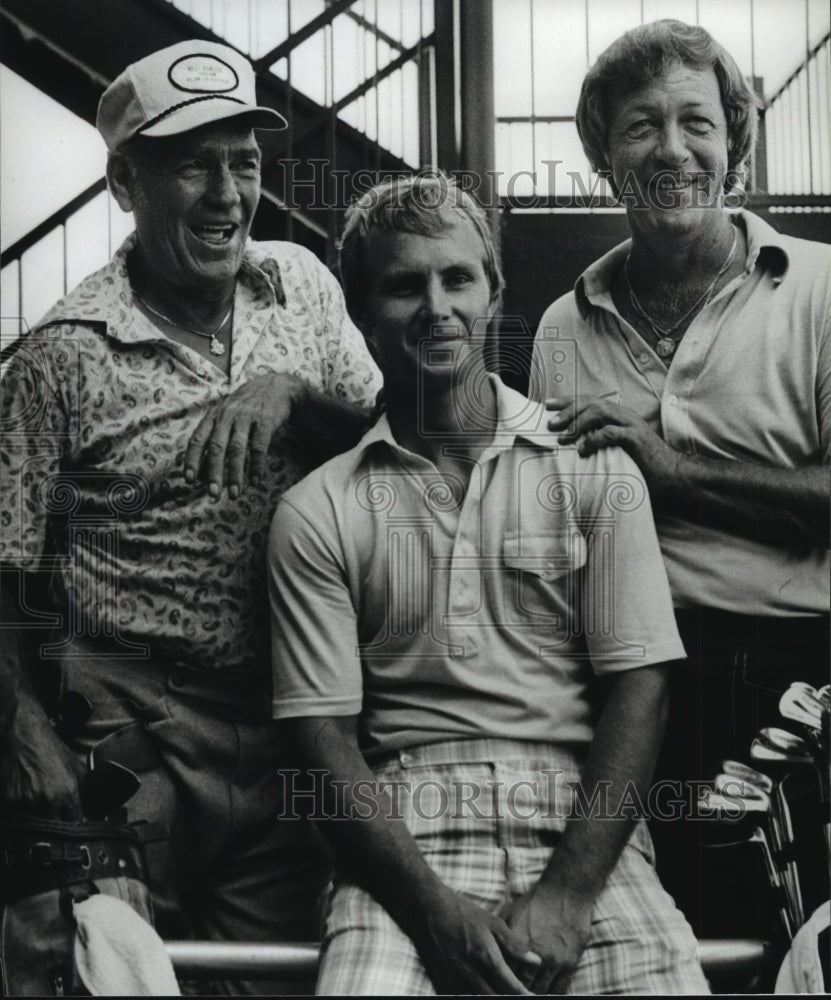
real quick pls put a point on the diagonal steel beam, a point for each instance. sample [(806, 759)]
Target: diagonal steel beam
[(300, 36), (59, 218), (362, 88), (373, 29)]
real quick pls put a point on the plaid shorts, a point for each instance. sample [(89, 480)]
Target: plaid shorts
[(486, 815)]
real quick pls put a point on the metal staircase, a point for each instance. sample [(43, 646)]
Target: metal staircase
[(375, 113)]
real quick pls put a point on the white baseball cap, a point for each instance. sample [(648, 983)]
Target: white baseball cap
[(178, 89)]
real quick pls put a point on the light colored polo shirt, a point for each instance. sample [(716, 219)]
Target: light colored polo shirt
[(436, 620), (98, 408), (749, 382)]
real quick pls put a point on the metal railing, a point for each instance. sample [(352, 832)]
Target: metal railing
[(799, 152), (538, 149), (195, 959)]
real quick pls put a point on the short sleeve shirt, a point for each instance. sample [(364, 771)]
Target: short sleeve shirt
[(98, 407), (435, 619), (749, 382)]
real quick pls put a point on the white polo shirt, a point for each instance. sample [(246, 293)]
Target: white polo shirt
[(434, 619), (749, 382)]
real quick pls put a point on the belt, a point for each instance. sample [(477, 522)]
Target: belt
[(243, 691)]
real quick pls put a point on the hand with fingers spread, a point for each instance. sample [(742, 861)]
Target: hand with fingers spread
[(238, 432), (467, 949), (595, 423), (554, 924)]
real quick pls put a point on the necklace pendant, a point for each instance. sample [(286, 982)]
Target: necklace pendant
[(217, 347), (666, 347)]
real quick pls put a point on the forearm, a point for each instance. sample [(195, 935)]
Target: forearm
[(618, 770), (38, 775), (367, 841), (779, 505), (16, 652)]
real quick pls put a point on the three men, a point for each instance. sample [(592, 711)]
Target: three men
[(703, 348), (194, 342), (470, 632)]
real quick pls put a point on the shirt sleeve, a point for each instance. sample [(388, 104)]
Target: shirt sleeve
[(554, 358), (33, 432), (351, 373), (823, 389), (628, 615), (314, 634)]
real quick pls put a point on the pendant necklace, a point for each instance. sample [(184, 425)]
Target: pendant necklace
[(667, 343), (217, 347)]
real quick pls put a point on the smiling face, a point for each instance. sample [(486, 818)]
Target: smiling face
[(668, 148), (426, 291), (194, 197)]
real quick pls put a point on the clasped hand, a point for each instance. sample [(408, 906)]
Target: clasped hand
[(555, 926), (467, 949)]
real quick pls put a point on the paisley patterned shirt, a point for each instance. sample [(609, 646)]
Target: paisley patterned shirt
[(98, 407)]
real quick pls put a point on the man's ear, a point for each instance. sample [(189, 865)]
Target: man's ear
[(121, 180)]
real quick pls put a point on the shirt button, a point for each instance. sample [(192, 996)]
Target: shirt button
[(673, 399), (406, 758), (644, 357)]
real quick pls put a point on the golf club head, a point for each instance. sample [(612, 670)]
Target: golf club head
[(754, 798), (803, 686), (737, 769), (107, 788), (764, 754), (730, 807), (783, 739), (804, 707)]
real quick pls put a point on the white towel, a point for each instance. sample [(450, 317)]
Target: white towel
[(117, 953), (802, 971)]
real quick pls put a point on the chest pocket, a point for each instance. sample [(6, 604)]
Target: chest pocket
[(546, 555), (543, 565)]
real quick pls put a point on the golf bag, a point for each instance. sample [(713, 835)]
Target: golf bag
[(45, 867)]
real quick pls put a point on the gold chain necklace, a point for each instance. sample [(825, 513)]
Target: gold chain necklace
[(667, 343), (217, 347)]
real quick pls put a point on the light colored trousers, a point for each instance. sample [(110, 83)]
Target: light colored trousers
[(486, 815)]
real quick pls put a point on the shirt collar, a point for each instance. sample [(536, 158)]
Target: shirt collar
[(765, 248), (107, 296), (516, 417)]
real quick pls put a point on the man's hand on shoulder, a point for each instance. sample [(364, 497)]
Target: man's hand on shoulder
[(596, 423), (554, 924), (239, 430), (467, 949)]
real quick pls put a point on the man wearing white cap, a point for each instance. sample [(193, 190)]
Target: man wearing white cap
[(193, 349)]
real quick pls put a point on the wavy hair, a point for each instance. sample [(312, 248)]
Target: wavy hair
[(641, 55)]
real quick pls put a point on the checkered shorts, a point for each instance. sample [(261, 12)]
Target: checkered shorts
[(486, 815)]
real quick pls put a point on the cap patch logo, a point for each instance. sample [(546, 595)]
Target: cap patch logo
[(202, 73)]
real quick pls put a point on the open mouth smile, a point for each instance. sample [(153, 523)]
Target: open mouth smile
[(216, 234)]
